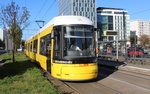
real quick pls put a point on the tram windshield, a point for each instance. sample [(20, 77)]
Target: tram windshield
[(79, 41)]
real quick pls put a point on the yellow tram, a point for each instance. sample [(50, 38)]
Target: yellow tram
[(65, 47)]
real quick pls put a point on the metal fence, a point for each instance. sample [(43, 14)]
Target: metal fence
[(110, 51)]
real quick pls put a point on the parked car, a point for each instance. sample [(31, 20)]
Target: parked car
[(135, 51), (19, 50), (146, 50)]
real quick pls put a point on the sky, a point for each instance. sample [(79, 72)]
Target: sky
[(47, 9)]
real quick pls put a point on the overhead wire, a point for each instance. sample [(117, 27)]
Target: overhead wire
[(140, 11), (49, 8), (41, 9)]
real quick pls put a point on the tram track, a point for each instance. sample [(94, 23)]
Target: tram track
[(92, 88), (113, 90), (114, 82), (109, 81), (129, 83), (134, 79)]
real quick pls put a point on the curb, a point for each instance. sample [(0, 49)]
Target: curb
[(61, 85)]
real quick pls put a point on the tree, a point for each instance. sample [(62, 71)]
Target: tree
[(15, 18), (144, 40), (18, 36)]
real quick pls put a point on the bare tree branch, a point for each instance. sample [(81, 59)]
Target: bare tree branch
[(14, 18), (144, 39)]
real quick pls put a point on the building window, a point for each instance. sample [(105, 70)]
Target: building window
[(110, 19), (103, 19), (108, 12), (91, 5), (120, 12), (82, 8), (91, 14), (73, 3), (76, 8), (93, 9), (86, 14), (93, 1), (87, 9), (110, 38), (110, 26), (79, 4), (85, 5)]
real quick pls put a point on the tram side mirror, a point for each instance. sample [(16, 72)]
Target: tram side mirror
[(52, 35)]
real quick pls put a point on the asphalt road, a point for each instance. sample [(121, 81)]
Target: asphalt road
[(114, 82)]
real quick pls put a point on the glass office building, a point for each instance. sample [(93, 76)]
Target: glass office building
[(113, 19), (78, 7)]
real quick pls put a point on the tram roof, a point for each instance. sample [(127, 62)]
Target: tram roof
[(67, 20)]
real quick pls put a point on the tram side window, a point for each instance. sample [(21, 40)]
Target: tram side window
[(25, 46), (35, 46), (57, 43), (31, 46), (28, 46), (45, 45)]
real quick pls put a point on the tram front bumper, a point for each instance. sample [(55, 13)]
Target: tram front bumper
[(79, 73)]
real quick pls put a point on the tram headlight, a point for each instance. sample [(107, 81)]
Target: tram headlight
[(63, 62)]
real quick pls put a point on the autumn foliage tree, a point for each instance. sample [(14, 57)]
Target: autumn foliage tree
[(144, 40), (14, 18)]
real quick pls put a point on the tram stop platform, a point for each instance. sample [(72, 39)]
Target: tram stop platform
[(135, 68)]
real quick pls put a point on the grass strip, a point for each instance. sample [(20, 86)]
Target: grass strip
[(23, 77)]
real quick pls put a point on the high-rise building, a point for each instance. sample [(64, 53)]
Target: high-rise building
[(1, 34), (5, 36), (78, 7), (141, 27), (113, 19)]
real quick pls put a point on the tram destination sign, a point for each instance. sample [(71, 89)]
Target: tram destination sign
[(110, 33)]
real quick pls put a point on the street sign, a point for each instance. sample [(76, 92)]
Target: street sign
[(110, 33)]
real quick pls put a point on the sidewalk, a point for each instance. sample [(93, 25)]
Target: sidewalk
[(140, 69)]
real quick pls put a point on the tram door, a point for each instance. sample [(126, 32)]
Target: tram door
[(48, 52), (34, 49)]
